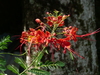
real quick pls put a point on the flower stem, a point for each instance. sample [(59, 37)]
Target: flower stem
[(15, 54), (33, 61)]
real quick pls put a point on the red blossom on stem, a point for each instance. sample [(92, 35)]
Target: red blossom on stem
[(35, 37), (70, 33), (51, 20), (42, 37)]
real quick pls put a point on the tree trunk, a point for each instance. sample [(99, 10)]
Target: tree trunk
[(82, 15)]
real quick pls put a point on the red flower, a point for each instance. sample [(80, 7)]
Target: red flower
[(23, 37), (61, 23), (64, 43), (49, 23), (70, 33), (35, 37), (39, 37), (52, 20)]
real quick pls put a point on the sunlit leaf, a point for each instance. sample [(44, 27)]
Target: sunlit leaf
[(21, 62), (46, 51), (13, 69), (3, 42)]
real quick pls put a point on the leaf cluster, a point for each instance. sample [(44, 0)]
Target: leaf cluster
[(36, 62), (51, 65), (38, 68), (4, 41), (2, 64), (3, 45)]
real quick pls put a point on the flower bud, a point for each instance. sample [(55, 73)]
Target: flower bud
[(70, 27), (64, 17), (47, 13), (38, 20)]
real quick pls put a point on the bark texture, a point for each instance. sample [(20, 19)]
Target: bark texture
[(82, 16)]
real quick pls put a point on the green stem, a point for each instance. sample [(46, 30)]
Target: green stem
[(54, 28), (14, 54), (33, 61), (59, 33)]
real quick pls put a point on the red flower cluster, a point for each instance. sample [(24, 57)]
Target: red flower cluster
[(40, 38), (56, 20), (51, 20), (35, 37), (70, 33)]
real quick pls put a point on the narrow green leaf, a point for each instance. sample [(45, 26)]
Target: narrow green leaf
[(46, 62), (13, 69), (2, 61), (2, 64), (71, 55), (50, 62), (39, 72), (59, 63), (3, 47), (50, 65), (39, 59), (21, 62), (46, 51)]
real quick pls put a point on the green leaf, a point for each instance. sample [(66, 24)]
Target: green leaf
[(2, 74), (2, 64), (46, 51), (39, 58), (13, 69), (2, 68), (3, 42), (2, 61), (50, 65), (39, 72), (21, 62), (48, 62), (59, 63), (71, 55), (3, 47), (41, 63)]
